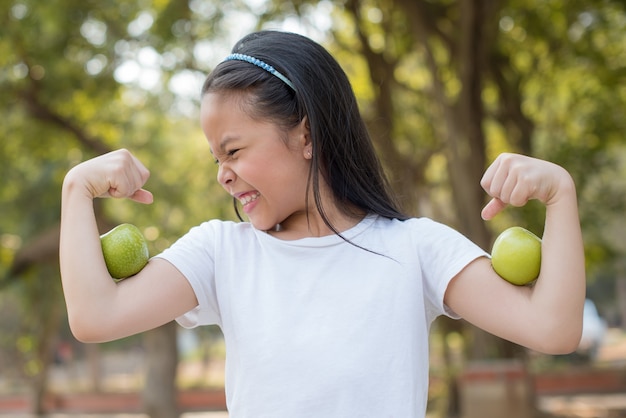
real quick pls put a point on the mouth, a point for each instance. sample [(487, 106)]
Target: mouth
[(247, 198)]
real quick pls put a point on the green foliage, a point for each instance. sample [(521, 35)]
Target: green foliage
[(64, 100), (565, 65), (573, 72)]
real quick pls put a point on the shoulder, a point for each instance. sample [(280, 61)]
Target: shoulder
[(409, 237), (421, 226), (214, 233), (216, 227), (430, 238)]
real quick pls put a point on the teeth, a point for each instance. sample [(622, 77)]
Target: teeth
[(249, 198)]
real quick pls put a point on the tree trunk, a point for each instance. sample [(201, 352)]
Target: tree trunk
[(48, 335), (159, 394), (620, 291), (92, 354), (463, 133), (466, 156)]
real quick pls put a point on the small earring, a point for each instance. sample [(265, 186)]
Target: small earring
[(309, 154)]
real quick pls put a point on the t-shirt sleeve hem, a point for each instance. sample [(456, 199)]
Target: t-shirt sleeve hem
[(452, 272), (202, 312)]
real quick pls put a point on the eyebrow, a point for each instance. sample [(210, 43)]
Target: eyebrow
[(222, 144)]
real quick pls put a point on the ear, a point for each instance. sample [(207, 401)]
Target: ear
[(303, 133)]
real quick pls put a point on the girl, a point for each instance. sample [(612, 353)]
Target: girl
[(325, 297)]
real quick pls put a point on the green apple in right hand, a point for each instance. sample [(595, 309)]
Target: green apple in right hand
[(125, 251), (516, 255)]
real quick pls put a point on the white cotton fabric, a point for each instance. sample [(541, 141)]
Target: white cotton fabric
[(317, 327)]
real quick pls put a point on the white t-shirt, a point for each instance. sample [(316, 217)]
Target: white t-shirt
[(317, 327)]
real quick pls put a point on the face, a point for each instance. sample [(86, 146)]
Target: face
[(263, 166)]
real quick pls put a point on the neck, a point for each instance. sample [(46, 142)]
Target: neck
[(313, 225)]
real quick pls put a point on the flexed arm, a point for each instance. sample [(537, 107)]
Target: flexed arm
[(548, 315), (98, 308)]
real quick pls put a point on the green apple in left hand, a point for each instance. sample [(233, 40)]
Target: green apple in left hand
[(516, 255), (125, 251)]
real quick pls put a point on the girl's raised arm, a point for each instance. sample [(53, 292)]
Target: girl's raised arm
[(547, 316), (98, 308)]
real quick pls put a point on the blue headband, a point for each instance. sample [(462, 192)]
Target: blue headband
[(259, 63)]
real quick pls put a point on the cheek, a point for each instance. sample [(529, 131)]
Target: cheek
[(258, 174), (276, 172)]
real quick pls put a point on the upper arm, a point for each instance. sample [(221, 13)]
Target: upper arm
[(481, 297), (156, 295)]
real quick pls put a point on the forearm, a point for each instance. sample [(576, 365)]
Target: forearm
[(86, 282), (546, 316), (559, 293)]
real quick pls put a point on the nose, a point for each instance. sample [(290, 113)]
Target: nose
[(225, 175)]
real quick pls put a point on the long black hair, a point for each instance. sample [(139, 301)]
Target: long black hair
[(343, 152)]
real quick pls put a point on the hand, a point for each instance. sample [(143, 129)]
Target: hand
[(514, 179), (115, 174)]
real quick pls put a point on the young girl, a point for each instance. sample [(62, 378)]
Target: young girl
[(326, 295)]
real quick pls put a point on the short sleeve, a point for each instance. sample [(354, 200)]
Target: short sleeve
[(443, 255), (194, 256)]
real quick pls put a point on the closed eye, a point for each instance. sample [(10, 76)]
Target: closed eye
[(228, 154)]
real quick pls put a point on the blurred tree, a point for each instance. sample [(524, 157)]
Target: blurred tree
[(448, 85), (71, 74)]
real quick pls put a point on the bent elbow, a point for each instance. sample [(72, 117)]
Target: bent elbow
[(560, 343), (84, 330), (80, 332), (562, 347)]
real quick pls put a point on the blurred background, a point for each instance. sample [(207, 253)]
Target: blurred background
[(444, 86)]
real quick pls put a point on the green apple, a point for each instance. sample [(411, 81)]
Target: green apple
[(516, 255), (125, 251)]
